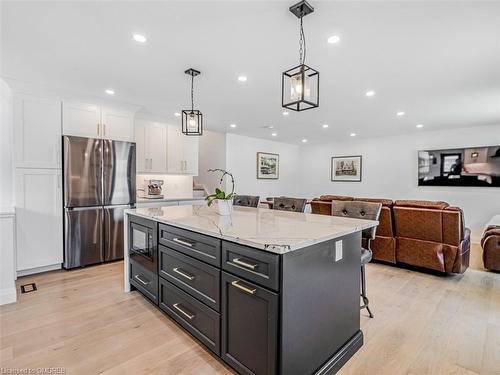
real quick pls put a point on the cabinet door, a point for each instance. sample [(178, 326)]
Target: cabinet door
[(37, 132), (117, 125), (190, 153), (249, 326), (156, 135), (83, 120), (38, 218), (175, 150), (141, 146)]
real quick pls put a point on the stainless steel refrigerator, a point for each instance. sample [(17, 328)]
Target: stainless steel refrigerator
[(99, 184)]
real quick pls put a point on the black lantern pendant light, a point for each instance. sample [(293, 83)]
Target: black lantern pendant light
[(300, 85), (192, 119)]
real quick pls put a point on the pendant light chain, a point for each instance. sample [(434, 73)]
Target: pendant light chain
[(302, 44), (192, 92)]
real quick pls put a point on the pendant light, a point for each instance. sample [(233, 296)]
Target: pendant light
[(300, 85), (192, 119)]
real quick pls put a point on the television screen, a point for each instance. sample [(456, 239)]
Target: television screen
[(474, 166)]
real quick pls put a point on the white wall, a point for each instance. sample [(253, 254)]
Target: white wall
[(390, 170), (212, 155), (241, 160)]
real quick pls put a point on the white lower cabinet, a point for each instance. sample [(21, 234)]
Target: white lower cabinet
[(39, 225)]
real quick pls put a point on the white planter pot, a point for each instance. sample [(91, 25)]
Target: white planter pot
[(224, 207)]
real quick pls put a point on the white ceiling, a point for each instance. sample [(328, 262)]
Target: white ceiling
[(437, 61)]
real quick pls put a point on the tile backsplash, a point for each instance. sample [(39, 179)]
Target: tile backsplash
[(174, 186)]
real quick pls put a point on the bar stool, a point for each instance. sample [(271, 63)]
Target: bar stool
[(361, 210), (246, 200), (289, 204)]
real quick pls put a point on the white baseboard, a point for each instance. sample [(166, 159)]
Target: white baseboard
[(32, 271), (8, 295)]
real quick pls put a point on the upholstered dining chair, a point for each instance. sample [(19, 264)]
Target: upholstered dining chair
[(246, 200), (361, 210), (289, 204)]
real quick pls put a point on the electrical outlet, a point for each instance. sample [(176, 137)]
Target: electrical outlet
[(338, 251)]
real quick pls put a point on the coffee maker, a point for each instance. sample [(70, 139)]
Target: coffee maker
[(153, 189)]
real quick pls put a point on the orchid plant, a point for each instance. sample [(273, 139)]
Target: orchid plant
[(220, 193)]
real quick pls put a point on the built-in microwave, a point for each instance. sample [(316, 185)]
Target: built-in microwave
[(143, 243)]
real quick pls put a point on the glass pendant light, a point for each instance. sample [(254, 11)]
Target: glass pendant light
[(300, 85), (192, 119)]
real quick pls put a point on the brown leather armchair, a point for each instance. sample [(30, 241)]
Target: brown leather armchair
[(490, 242), (431, 235)]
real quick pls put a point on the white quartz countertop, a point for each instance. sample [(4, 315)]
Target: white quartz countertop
[(167, 199), (275, 231)]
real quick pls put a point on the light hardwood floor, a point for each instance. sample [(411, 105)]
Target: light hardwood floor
[(83, 322)]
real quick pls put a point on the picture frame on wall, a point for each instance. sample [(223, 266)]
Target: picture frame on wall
[(346, 168), (268, 166)]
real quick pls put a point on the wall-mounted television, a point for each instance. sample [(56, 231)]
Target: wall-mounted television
[(471, 166)]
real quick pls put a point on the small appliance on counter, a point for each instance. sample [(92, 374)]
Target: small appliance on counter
[(153, 189)]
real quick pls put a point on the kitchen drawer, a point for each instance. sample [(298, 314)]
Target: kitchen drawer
[(194, 277), (258, 266), (199, 320), (204, 248), (145, 281)]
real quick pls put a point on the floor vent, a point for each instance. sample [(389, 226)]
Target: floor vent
[(27, 288)]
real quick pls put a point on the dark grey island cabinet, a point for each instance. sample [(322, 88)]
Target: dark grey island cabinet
[(260, 311)]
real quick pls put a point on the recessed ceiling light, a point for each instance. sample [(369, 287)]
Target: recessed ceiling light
[(352, 134), (400, 113), (177, 114), (232, 125), (324, 126), (267, 127), (370, 93), (110, 91), (420, 126), (304, 141), (333, 39), (242, 78), (285, 113), (140, 38), (274, 134)]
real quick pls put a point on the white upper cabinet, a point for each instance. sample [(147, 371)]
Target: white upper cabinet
[(83, 120), (175, 156), (183, 152), (117, 125), (190, 152), (93, 121), (38, 218), (151, 140), (37, 132), (163, 149)]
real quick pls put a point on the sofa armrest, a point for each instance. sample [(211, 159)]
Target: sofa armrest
[(463, 254)]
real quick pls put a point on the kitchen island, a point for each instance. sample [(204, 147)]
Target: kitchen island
[(269, 292)]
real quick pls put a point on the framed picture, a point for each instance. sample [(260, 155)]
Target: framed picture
[(268, 166), (346, 168)]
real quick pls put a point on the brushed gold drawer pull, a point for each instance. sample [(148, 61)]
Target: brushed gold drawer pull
[(246, 264), (138, 278), (243, 288), (182, 242), (183, 273), (186, 314)]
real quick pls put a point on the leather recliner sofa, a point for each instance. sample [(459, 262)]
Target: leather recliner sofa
[(424, 234)]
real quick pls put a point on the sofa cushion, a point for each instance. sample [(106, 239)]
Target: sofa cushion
[(437, 205), (418, 223), (385, 202), (329, 198)]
